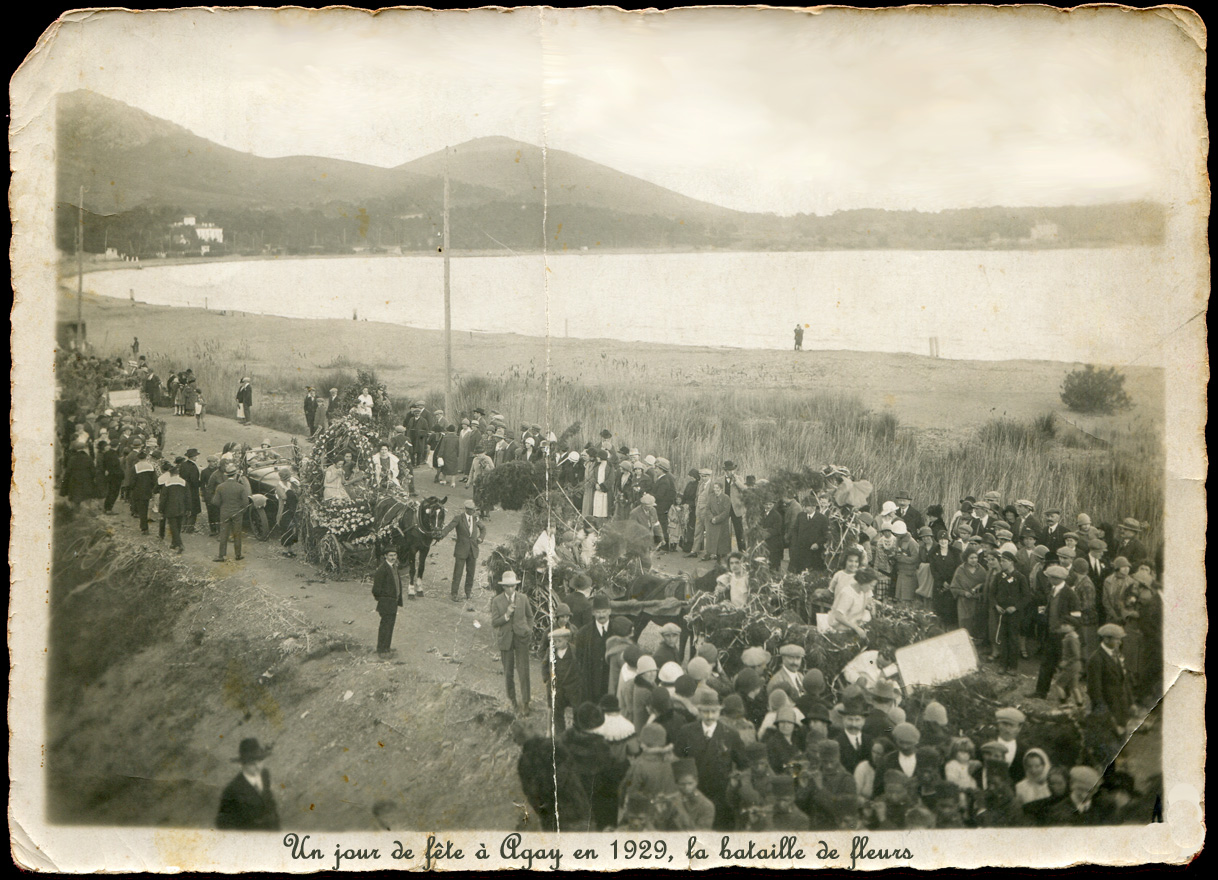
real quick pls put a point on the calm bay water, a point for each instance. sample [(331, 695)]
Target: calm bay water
[(1080, 305)]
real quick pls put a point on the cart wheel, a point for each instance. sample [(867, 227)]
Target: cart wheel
[(259, 525), (330, 555)]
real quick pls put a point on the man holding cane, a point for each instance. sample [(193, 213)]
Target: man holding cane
[(512, 618)]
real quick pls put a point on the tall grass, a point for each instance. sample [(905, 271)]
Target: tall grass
[(763, 430)]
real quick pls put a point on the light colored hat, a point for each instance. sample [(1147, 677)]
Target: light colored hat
[(470, 505), (561, 633), (995, 748), (572, 456), (1111, 631), (664, 464), (698, 669), (906, 733), (649, 459), (1083, 519), (648, 500), (993, 496), (1084, 775), (1023, 502), (1010, 713), (792, 651), (1119, 562), (646, 663), (1040, 551), (705, 472), (899, 528), (935, 713), (1130, 523), (633, 451), (670, 672), (786, 713), (755, 657), (1056, 571), (670, 628), (509, 577), (888, 508)]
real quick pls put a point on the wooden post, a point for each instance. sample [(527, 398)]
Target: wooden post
[(80, 271), (448, 317)]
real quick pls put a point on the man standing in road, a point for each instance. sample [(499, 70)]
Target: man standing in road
[(310, 409), (512, 619), (470, 532), (189, 471), (418, 431), (232, 498), (387, 590), (799, 337), (245, 400)]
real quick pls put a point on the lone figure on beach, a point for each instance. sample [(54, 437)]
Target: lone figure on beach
[(799, 337)]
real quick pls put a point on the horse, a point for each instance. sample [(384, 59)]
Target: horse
[(419, 526)]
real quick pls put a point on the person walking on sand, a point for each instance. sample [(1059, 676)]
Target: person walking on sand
[(248, 803), (387, 590), (799, 337), (512, 619)]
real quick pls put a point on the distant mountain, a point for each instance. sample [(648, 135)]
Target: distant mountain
[(140, 173)]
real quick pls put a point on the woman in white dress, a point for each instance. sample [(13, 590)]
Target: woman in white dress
[(851, 562), (852, 605), (334, 488), (600, 494), (363, 406), (734, 583)]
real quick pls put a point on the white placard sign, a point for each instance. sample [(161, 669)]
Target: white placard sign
[(938, 659), (126, 397)]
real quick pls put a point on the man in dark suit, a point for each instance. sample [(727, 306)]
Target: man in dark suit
[(562, 678), (716, 749), (807, 539), (418, 429), (1061, 603), (907, 513), (578, 601), (1010, 721), (915, 763), (855, 744), (1053, 535), (470, 532), (245, 397), (387, 590), (1128, 545), (512, 620), (733, 488), (310, 409), (664, 490), (1028, 522), (590, 652), (247, 803), (1107, 682), (189, 471)]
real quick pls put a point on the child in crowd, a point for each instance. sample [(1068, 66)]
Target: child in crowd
[(200, 424)]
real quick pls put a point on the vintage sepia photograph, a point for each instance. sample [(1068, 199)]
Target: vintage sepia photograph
[(733, 426)]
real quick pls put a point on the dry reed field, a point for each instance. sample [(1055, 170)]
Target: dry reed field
[(999, 425)]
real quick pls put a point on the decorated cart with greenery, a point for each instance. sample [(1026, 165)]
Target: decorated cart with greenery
[(339, 534)]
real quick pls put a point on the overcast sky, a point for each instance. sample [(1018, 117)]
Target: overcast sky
[(756, 110)]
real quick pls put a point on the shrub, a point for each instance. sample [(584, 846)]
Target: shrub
[(1095, 391)]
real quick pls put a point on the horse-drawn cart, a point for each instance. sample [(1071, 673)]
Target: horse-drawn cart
[(356, 515)]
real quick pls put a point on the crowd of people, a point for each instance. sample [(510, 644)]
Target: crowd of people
[(654, 739), (654, 743)]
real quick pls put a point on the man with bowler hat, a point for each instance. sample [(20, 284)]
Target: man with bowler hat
[(590, 651), (387, 590), (247, 803)]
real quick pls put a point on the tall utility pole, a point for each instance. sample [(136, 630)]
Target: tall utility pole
[(80, 271), (448, 312)]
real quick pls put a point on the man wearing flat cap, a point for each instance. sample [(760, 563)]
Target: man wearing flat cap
[(669, 650), (644, 515), (1010, 722), (248, 803), (909, 760), (470, 533), (1062, 603), (1107, 681), (791, 672)]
